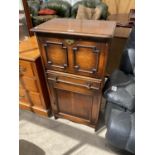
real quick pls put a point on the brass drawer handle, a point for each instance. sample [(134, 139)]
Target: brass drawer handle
[(88, 85)]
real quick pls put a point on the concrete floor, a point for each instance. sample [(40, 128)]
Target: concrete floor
[(46, 136)]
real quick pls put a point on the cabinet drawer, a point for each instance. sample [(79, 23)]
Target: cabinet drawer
[(22, 96), (25, 68), (73, 82), (30, 84), (36, 99)]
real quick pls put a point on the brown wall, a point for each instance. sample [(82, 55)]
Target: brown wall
[(120, 6)]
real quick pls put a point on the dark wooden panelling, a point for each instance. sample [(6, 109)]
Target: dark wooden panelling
[(68, 102)]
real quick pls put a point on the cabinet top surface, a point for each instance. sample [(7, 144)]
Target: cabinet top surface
[(92, 28), (28, 49)]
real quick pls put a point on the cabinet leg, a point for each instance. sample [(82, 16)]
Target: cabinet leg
[(96, 128), (55, 117)]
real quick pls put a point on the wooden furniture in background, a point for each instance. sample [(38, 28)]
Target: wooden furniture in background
[(28, 17), (74, 53), (33, 94), (123, 20), (121, 34)]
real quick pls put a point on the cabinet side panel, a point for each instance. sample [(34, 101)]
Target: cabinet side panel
[(42, 83)]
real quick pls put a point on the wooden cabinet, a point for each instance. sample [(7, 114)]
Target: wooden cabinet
[(33, 94), (121, 35), (74, 53)]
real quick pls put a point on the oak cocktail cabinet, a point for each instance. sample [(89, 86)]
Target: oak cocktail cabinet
[(74, 54)]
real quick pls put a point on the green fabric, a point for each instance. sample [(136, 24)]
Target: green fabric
[(34, 7), (91, 3), (104, 9), (62, 7), (41, 19)]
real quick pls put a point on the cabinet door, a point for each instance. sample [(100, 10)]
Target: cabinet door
[(24, 99), (36, 99), (55, 54), (25, 68), (23, 96), (30, 84), (89, 58), (75, 100), (75, 56)]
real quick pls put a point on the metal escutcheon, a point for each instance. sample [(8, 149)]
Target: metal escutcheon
[(69, 41)]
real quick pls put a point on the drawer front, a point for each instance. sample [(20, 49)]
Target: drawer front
[(23, 96), (25, 68), (35, 99), (32, 98), (74, 83), (30, 84), (76, 56)]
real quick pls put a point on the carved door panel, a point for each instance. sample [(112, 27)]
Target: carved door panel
[(74, 104), (88, 58), (55, 54)]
